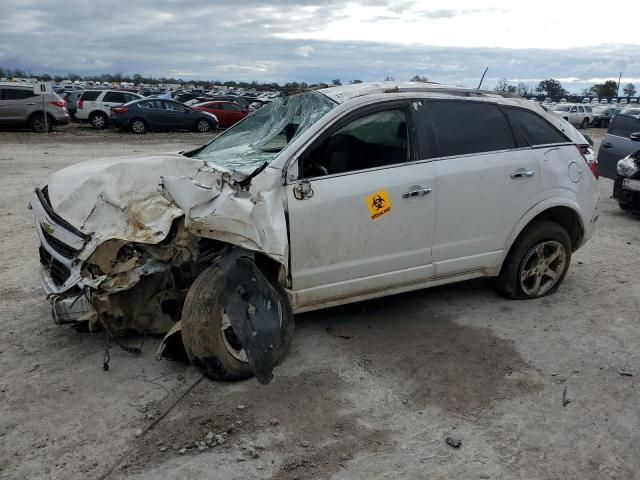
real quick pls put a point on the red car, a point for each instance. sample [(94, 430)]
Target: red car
[(228, 113)]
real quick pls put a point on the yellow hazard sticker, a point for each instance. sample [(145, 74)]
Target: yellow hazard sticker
[(378, 204)]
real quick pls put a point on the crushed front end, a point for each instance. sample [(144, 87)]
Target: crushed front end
[(114, 284)]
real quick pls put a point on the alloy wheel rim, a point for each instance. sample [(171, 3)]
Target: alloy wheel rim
[(39, 125), (203, 126), (542, 268), (98, 121), (138, 126)]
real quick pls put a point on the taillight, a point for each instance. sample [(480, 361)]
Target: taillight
[(80, 103), (119, 109), (60, 103), (592, 161)]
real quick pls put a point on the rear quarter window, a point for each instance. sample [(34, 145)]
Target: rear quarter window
[(534, 129)]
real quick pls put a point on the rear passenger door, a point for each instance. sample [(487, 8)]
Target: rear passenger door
[(485, 181), (112, 99)]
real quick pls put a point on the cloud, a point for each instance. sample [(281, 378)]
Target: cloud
[(306, 40), (304, 51)]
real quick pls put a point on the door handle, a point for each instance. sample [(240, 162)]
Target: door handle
[(523, 173), (421, 192), (607, 145)]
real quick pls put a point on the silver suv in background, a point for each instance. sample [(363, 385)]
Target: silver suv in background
[(94, 106), (20, 107)]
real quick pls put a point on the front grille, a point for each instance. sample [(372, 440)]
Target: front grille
[(58, 271), (60, 247)]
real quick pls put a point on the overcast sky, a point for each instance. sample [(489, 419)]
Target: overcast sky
[(448, 41)]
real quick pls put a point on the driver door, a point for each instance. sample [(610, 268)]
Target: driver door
[(361, 214)]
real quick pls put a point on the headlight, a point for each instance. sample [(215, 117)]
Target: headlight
[(627, 167)]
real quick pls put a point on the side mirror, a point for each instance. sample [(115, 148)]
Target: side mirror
[(635, 136)]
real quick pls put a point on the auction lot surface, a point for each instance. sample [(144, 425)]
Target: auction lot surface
[(456, 361)]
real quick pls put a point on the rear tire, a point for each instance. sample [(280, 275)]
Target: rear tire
[(209, 343), (138, 126), (37, 124), (204, 126), (537, 263), (99, 120), (585, 123)]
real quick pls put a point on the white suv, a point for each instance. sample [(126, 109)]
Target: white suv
[(574, 113), (318, 199), (94, 106)]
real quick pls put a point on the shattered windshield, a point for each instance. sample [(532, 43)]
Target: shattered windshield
[(261, 136)]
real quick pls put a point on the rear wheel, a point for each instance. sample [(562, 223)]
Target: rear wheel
[(99, 120), (203, 126), (537, 262), (138, 126), (37, 123), (207, 334), (585, 123)]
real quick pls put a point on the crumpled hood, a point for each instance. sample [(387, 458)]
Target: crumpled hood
[(120, 197)]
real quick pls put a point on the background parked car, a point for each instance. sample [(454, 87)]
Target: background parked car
[(574, 113), (140, 116), (602, 116), (20, 107), (622, 138), (228, 113), (94, 106)]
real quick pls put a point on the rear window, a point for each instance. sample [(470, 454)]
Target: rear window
[(463, 128), (623, 125), (17, 93), (91, 95), (535, 129)]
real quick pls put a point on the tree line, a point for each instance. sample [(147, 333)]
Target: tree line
[(554, 89)]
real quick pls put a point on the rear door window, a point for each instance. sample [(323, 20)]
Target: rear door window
[(534, 129), (463, 128), (91, 95), (114, 97), (17, 94)]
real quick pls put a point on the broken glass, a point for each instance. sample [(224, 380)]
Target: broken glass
[(261, 136)]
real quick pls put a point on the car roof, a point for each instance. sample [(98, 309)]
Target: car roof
[(344, 93)]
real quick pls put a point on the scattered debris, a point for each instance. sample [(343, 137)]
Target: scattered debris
[(453, 442), (565, 400), (305, 444), (625, 374), (241, 407), (138, 432), (339, 332), (274, 422)]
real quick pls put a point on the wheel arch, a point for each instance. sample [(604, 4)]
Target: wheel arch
[(39, 112), (565, 213)]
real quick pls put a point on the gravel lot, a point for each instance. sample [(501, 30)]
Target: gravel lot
[(455, 361)]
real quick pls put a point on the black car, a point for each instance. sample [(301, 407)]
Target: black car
[(626, 185), (145, 114), (622, 138)]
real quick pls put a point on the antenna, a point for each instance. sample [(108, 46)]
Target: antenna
[(482, 79)]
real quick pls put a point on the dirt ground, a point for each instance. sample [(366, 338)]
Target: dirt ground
[(456, 361)]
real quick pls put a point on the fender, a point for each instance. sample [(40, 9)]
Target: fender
[(533, 212)]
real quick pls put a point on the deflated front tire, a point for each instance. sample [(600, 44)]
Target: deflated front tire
[(208, 337)]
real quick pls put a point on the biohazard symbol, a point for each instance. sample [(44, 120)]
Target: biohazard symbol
[(378, 204)]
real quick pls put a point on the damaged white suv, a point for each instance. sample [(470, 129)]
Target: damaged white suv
[(318, 199)]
